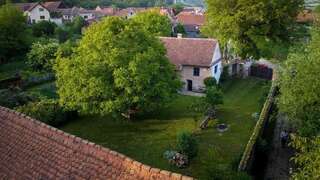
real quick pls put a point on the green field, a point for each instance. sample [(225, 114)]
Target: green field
[(148, 138)]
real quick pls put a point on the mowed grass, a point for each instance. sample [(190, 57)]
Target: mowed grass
[(149, 137)]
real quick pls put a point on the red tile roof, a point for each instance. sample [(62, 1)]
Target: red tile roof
[(53, 5), (186, 18), (24, 6), (129, 11), (108, 11), (190, 51), (30, 149), (306, 16), (50, 6)]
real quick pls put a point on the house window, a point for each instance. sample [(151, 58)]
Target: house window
[(41, 9), (216, 69), (196, 71), (42, 17)]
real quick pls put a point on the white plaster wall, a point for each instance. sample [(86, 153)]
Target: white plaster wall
[(216, 61), (58, 21), (36, 13), (89, 16)]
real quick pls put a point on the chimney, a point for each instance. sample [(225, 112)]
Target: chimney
[(179, 35)]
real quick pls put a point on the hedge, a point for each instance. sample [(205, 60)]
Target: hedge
[(257, 130)]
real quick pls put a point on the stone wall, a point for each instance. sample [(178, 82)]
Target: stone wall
[(197, 81)]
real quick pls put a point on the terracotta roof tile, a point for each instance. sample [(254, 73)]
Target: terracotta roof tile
[(30, 149), (190, 51)]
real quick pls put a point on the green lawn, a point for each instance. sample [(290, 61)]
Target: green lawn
[(10, 69), (47, 89), (146, 140)]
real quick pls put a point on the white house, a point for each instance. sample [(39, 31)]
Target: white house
[(195, 59), (47, 11), (37, 13)]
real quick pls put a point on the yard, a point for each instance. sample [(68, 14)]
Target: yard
[(149, 137)]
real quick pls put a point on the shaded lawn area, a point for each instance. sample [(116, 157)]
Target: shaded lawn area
[(47, 89), (146, 140), (10, 69)]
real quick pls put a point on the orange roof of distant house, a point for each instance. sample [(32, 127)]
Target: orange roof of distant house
[(30, 149), (190, 51), (306, 16), (129, 11), (187, 18), (108, 11)]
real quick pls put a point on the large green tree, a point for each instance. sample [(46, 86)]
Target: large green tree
[(117, 68), (255, 28), (155, 23), (13, 34), (300, 87)]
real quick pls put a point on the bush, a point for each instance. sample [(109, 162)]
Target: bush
[(43, 28), (42, 55), (225, 74), (210, 81), (48, 111), (187, 144), (14, 97)]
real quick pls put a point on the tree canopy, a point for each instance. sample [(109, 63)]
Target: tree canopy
[(13, 32), (256, 28), (117, 68), (299, 87), (43, 28), (307, 159), (153, 22)]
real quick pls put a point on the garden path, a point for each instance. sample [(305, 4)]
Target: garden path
[(279, 165)]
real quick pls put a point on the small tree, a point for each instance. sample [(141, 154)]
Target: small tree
[(180, 29), (43, 28), (42, 55), (213, 97), (187, 144), (13, 32), (210, 81), (177, 8)]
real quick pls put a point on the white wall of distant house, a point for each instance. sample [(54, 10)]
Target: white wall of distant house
[(87, 16), (58, 21), (38, 13), (216, 68)]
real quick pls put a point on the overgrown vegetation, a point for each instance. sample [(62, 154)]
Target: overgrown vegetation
[(48, 111)]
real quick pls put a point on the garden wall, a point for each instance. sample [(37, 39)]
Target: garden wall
[(248, 155)]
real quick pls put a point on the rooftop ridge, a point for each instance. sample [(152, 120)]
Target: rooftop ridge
[(119, 164), (183, 38)]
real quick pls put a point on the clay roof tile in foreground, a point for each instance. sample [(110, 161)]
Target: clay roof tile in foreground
[(30, 149), (190, 51)]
